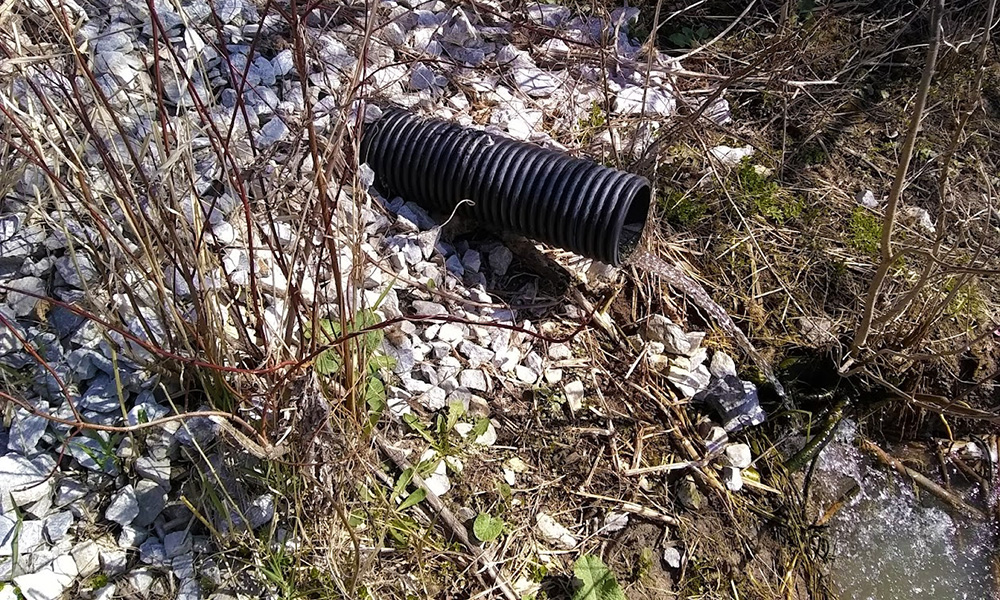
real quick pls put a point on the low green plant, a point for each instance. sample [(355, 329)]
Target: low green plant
[(366, 351), (440, 437), (681, 209), (865, 231), (487, 528), (761, 194), (595, 581), (689, 37)]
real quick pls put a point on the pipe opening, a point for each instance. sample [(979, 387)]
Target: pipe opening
[(634, 222)]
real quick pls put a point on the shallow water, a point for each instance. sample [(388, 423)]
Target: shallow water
[(891, 543)]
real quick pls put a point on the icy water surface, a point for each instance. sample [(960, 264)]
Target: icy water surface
[(890, 543)]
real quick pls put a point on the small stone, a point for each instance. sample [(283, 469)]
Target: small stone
[(715, 438), (732, 478), (549, 15), (28, 535), (555, 48), (423, 77), (560, 352), (739, 456), (114, 561), (43, 585), (659, 329), (574, 395), (224, 233), (155, 469), (124, 507), (68, 491), (57, 525), (77, 270), (450, 332), (86, 555), (459, 30), (473, 379), (283, 63), (689, 383), (26, 431), (177, 543), (735, 401), (553, 532), (23, 481), (189, 589), (434, 398), (472, 260), (272, 132), (479, 407), (535, 82), (437, 482), (488, 437), (261, 511), (500, 259), (476, 355), (722, 365), (525, 374), (552, 376), (152, 553), (672, 556), (614, 522), (424, 308), (131, 536), (140, 579), (634, 100), (867, 199), (152, 499), (105, 593), (22, 297)]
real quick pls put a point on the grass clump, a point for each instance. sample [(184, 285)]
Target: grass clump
[(865, 231)]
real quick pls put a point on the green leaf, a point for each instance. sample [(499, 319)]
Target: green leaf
[(381, 361), (479, 428), (329, 362), (487, 528), (404, 480), (375, 395), (414, 423), (455, 412), (596, 581), (413, 499)]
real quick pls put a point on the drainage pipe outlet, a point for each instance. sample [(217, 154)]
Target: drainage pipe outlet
[(549, 196)]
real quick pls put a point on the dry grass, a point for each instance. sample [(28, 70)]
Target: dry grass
[(819, 96)]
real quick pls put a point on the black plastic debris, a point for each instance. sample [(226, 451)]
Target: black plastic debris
[(735, 401), (549, 196)]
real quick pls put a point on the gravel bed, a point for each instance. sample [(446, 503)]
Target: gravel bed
[(98, 514)]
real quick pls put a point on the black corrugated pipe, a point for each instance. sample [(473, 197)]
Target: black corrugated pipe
[(518, 187)]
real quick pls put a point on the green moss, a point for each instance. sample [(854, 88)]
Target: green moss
[(762, 195), (814, 154), (592, 123), (681, 209), (865, 231), (99, 580)]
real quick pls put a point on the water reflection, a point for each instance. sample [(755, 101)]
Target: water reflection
[(892, 542)]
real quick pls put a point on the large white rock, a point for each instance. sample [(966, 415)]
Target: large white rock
[(634, 100), (43, 585), (23, 480)]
